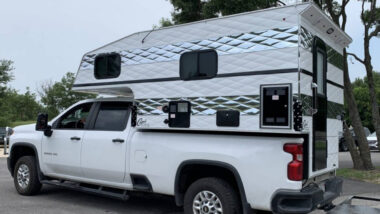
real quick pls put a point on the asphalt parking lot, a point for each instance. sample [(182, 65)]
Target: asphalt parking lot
[(62, 201)]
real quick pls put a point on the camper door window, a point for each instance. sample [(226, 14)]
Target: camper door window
[(107, 66), (197, 65), (321, 71)]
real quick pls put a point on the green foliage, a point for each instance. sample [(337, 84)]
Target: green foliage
[(20, 123), (369, 20), (372, 176), (164, 22), (229, 7), (5, 74), (194, 10), (361, 93), (18, 107), (58, 96)]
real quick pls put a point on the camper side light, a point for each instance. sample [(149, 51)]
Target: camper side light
[(330, 31)]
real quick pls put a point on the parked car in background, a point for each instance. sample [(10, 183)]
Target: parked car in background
[(372, 141), (3, 134), (342, 142)]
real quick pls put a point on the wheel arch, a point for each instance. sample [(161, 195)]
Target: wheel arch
[(179, 191), (19, 150)]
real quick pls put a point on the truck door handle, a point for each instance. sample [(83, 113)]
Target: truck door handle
[(118, 140), (75, 138)]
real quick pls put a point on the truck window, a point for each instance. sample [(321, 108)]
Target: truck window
[(107, 66), (112, 116), (75, 118), (197, 65)]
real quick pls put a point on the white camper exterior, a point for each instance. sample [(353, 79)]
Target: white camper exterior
[(243, 109), (266, 47)]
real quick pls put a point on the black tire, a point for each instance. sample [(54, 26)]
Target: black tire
[(222, 189), (33, 186)]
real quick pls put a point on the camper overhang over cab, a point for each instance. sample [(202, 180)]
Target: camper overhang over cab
[(277, 70)]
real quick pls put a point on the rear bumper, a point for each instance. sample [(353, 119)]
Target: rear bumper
[(308, 199)]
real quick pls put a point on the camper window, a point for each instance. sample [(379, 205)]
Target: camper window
[(321, 58), (107, 66), (197, 65)]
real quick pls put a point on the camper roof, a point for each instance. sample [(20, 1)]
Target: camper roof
[(307, 10)]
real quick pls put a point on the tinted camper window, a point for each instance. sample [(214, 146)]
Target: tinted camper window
[(107, 66), (321, 60), (198, 65)]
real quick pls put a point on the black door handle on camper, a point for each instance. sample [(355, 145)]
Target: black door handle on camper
[(75, 138), (118, 140)]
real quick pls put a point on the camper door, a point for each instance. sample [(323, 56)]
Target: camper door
[(319, 105)]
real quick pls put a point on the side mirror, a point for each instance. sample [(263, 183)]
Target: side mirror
[(48, 132), (42, 122)]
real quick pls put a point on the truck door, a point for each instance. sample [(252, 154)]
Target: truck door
[(104, 149), (320, 105), (61, 151)]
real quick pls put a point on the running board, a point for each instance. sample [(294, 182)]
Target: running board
[(89, 188)]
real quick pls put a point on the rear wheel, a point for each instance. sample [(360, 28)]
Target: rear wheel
[(211, 196), (26, 176)]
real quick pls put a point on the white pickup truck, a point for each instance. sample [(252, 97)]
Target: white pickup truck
[(227, 115), (94, 145)]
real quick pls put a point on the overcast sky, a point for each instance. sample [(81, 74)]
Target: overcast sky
[(46, 38)]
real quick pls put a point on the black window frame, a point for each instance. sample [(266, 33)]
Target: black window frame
[(319, 46), (320, 102), (89, 117), (107, 55), (96, 114), (198, 52), (263, 124)]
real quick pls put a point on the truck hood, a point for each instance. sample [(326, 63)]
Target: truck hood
[(23, 128)]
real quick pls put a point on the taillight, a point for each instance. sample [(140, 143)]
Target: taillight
[(295, 168)]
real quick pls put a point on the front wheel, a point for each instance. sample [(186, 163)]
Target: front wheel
[(26, 176), (211, 196)]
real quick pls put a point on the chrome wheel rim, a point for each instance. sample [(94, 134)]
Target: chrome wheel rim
[(207, 202), (23, 176)]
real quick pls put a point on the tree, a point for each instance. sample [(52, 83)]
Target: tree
[(194, 10), (362, 96), (18, 107), (59, 96), (370, 19), (338, 12), (5, 74)]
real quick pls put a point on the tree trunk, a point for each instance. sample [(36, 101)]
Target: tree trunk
[(355, 118), (355, 156), (371, 84)]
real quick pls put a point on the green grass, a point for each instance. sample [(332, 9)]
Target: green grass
[(372, 176), (19, 123)]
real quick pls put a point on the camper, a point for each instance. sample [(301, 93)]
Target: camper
[(227, 115)]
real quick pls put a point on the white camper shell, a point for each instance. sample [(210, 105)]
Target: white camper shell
[(267, 61)]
